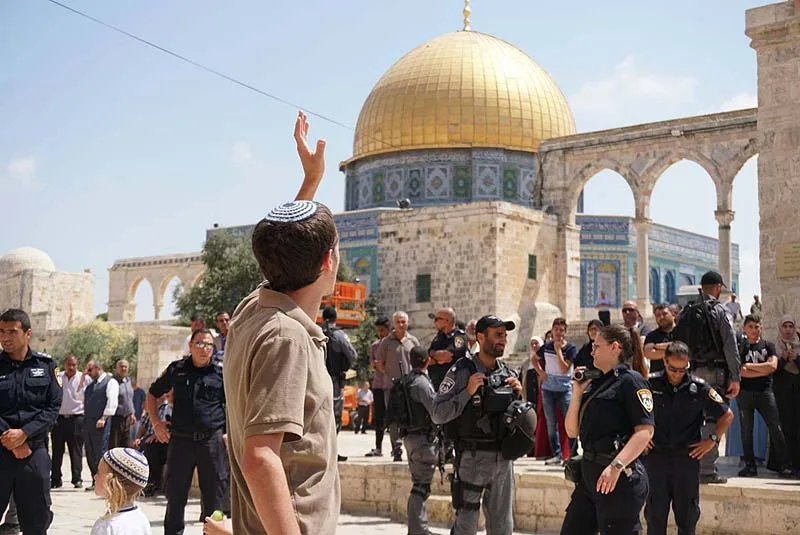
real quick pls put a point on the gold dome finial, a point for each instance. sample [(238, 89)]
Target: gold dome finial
[(467, 12)]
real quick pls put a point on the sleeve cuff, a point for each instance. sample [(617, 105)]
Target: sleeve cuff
[(29, 429), (293, 429)]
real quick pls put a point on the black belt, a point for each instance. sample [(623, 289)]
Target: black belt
[(475, 445), (197, 436), (598, 458), (70, 415)]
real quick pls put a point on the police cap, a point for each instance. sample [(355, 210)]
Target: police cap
[(493, 321)]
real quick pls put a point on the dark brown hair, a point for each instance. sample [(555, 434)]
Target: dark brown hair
[(290, 253), (630, 344), (560, 321), (662, 306)]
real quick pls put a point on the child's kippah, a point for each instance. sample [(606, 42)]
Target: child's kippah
[(129, 464)]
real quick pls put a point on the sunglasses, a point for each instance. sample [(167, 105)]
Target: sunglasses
[(203, 345), (673, 369), (626, 310)]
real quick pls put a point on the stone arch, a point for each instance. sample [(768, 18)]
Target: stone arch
[(657, 169), (589, 171)]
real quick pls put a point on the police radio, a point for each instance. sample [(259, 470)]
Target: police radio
[(587, 374)]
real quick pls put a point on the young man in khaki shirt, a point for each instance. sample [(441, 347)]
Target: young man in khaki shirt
[(281, 432)]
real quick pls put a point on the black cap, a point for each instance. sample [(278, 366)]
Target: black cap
[(383, 321), (329, 314), (493, 321), (711, 277)]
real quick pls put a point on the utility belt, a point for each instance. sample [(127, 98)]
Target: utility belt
[(196, 436), (479, 445), (70, 416), (598, 458)]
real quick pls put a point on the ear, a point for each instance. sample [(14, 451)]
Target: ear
[(328, 260)]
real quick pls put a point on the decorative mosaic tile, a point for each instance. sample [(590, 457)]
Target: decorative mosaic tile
[(364, 191), (395, 182), (377, 187), (488, 181), (527, 182), (414, 183), (437, 182), (510, 184), (462, 182)]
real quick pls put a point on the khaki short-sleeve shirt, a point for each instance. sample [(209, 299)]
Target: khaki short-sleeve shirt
[(276, 382)]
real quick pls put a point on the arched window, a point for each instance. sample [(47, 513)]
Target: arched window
[(670, 284), (655, 286)]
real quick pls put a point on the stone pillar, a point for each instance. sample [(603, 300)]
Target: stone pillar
[(774, 31), (643, 266), (568, 272), (724, 219)]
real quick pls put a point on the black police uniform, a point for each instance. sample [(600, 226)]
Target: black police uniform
[(608, 422), (340, 356), (198, 423), (30, 397), (456, 343), (674, 476)]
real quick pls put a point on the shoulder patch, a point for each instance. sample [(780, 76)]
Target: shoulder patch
[(58, 377), (447, 385), (645, 398), (714, 395), (458, 341)]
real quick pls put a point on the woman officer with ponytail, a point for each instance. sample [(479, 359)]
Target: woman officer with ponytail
[(613, 415)]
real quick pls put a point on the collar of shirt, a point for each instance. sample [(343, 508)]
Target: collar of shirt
[(6, 356), (271, 299)]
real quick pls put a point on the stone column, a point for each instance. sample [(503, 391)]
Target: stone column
[(642, 265), (775, 34), (724, 219), (568, 272)]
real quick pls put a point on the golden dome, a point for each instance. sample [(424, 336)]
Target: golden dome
[(462, 89)]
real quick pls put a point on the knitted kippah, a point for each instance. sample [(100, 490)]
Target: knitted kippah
[(292, 212), (129, 464)]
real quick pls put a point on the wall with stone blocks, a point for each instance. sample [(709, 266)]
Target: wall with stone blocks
[(540, 500)]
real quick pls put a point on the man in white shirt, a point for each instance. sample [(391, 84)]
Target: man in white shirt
[(69, 425), (100, 400)]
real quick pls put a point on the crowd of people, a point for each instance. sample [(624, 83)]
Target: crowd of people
[(645, 408)]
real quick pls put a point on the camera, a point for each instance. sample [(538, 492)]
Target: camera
[(588, 374)]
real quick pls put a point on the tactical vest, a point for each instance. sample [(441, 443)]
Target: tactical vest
[(94, 400), (482, 418), (420, 420)]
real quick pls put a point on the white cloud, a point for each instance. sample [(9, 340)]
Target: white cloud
[(739, 102), (629, 86), (241, 152), (19, 171)]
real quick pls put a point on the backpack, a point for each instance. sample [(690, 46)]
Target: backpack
[(399, 409), (694, 330)]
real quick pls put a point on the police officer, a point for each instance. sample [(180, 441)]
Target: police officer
[(196, 432), (673, 468), (30, 396), (613, 414), (419, 441), (473, 397), (449, 345), (717, 360), (340, 356)]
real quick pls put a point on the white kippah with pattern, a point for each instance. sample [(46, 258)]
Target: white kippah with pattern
[(129, 464), (292, 212)]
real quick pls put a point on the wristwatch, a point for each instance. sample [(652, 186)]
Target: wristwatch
[(715, 438), (617, 464)]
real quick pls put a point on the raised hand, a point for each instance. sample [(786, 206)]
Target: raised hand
[(313, 161)]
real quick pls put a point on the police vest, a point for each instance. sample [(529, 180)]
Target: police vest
[(482, 418), (419, 419)]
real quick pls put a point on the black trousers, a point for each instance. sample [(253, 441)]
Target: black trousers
[(617, 513), (28, 480), (156, 453), (363, 414), (120, 436), (674, 478), (378, 416), (96, 443), (211, 460), (338, 408), (68, 432), (787, 393), (764, 403)]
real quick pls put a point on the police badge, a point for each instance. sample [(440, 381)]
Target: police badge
[(646, 399)]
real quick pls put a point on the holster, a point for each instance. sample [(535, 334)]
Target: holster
[(573, 468), (457, 492)]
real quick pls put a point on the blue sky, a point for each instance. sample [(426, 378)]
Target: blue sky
[(109, 149)]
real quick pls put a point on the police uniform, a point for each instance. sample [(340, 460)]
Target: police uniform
[(30, 397), (673, 475), (621, 402), (340, 356), (421, 450), (476, 424), (456, 343), (198, 423), (717, 369)]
